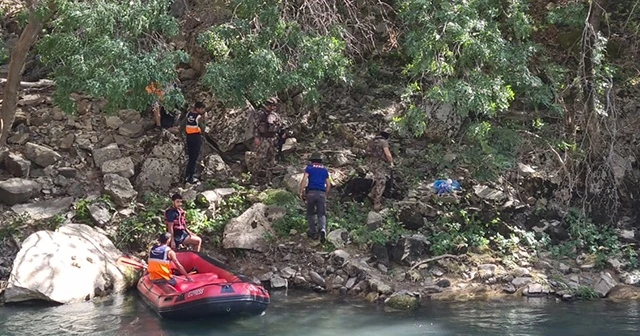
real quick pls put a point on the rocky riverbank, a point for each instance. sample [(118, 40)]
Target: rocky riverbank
[(104, 170)]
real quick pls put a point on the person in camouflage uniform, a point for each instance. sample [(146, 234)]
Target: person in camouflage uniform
[(265, 130), (380, 162)]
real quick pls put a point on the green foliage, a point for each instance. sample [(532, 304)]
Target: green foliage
[(82, 210), (4, 53), (459, 230), (473, 55), (390, 231), (585, 293), (258, 53), (21, 226), (280, 197), (111, 49), (139, 231), (570, 14), (295, 219), (492, 150), (600, 241)]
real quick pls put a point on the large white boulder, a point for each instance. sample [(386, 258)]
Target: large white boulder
[(251, 230), (74, 263)]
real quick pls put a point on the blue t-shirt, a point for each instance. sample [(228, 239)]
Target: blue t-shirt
[(318, 175)]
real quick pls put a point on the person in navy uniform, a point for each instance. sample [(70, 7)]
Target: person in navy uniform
[(176, 222), (314, 187), (193, 126)]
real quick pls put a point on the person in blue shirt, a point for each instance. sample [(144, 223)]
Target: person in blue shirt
[(315, 185)]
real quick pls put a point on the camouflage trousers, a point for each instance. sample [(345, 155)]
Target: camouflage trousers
[(265, 157), (380, 171)]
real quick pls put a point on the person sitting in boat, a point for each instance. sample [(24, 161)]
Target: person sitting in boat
[(160, 258), (176, 221)]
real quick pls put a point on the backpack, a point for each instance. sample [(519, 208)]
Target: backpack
[(374, 149)]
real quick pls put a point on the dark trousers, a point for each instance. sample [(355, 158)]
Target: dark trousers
[(316, 205), (194, 145)]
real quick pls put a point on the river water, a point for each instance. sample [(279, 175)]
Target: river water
[(311, 315)]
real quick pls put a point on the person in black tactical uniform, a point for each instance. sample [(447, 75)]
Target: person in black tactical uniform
[(193, 126)]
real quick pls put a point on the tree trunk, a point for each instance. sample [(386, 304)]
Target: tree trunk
[(589, 42), (16, 65)]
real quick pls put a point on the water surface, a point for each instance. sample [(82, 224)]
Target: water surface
[(312, 315)]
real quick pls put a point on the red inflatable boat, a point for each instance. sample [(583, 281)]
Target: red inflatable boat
[(214, 291)]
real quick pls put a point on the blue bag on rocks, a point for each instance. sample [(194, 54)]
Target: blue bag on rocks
[(446, 186)]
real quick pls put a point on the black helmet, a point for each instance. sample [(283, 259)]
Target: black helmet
[(316, 157)]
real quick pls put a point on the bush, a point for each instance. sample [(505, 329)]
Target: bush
[(258, 39)]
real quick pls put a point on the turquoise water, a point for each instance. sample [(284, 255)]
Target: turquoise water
[(313, 315)]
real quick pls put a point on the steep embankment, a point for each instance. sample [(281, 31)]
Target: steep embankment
[(508, 231)]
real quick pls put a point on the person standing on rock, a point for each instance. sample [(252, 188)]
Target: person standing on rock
[(193, 126), (265, 129), (161, 117), (314, 187), (160, 258), (176, 221), (380, 162)]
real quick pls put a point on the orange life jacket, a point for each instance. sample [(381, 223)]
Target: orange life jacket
[(159, 263), (193, 126)]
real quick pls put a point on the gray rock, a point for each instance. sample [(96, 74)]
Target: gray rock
[(68, 172), (89, 268), (44, 209), (380, 286), (216, 166), (436, 271), (533, 289), (277, 282), (317, 279), (157, 175), (131, 130), (630, 278), (339, 257), (299, 280), (489, 194), (17, 190), (99, 213), (509, 289), (410, 248), (338, 238), (208, 198), (604, 284), (520, 282), (564, 268), (120, 189), (17, 165), (18, 139), (129, 116), (383, 269), (292, 182), (67, 142), (249, 231), (628, 236), (402, 300), (521, 272), (41, 155), (443, 283), (486, 271), (104, 154), (288, 272), (350, 283), (113, 122), (380, 254), (374, 220), (122, 166), (265, 277)]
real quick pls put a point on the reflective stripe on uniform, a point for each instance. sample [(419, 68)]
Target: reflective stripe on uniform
[(159, 263), (193, 126)]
